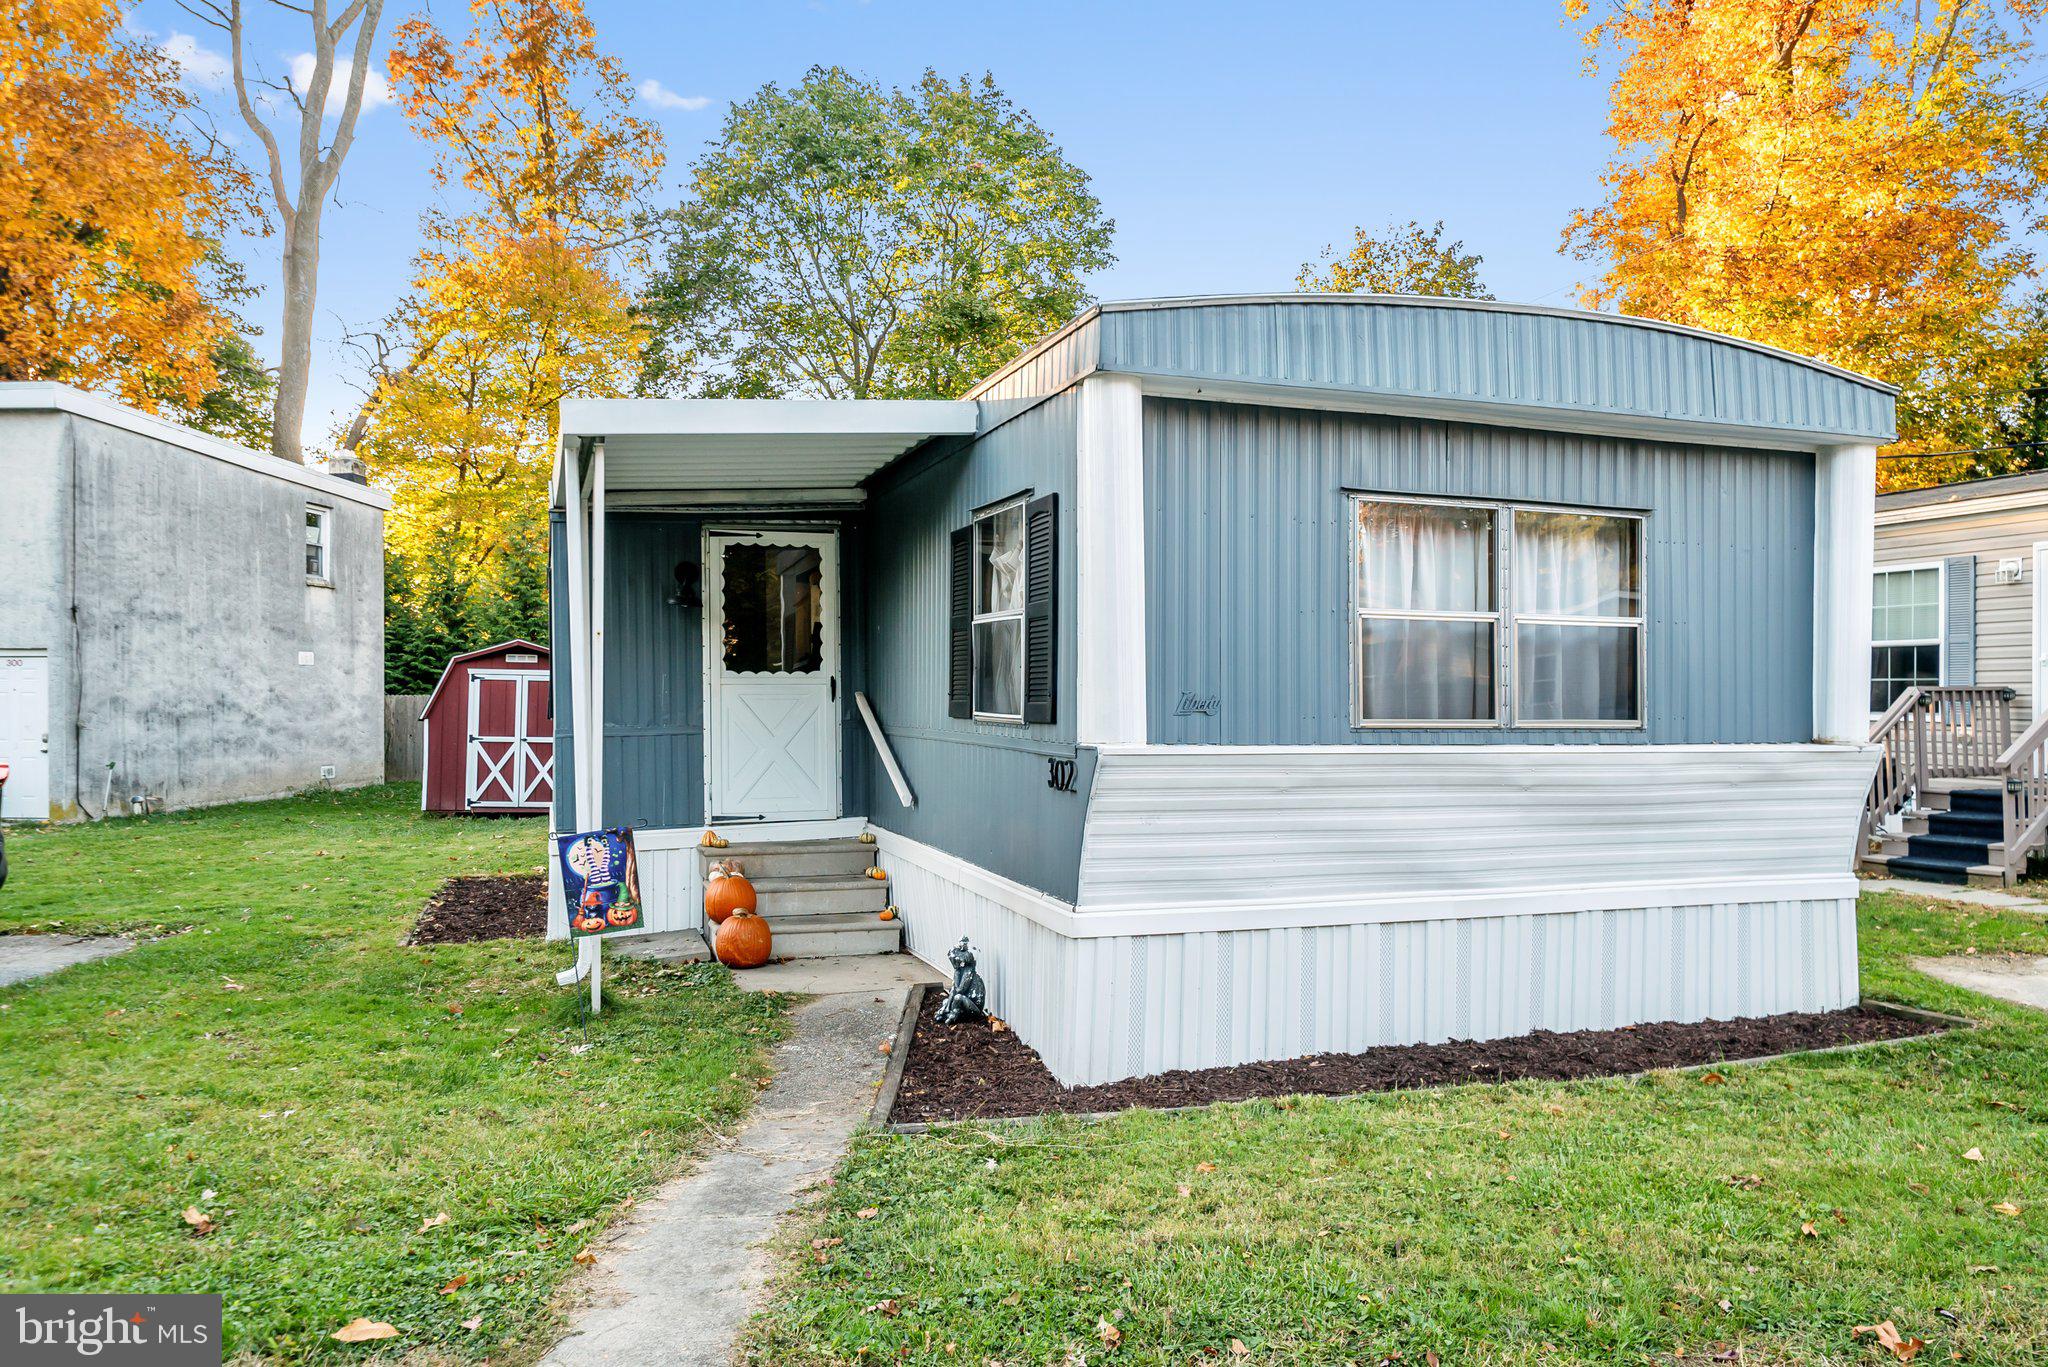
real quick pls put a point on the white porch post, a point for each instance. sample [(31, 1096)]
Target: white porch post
[(1844, 518), (588, 808), (594, 701), (1109, 548)]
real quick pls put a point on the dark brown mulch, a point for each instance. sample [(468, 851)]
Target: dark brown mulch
[(468, 909), (971, 1071)]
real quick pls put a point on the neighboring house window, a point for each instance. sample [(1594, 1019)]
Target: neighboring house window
[(316, 542), (1448, 595), (1003, 655), (1905, 632), (999, 575)]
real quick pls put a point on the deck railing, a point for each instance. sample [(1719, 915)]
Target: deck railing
[(1943, 733), (2024, 767)]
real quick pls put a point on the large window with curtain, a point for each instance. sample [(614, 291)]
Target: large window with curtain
[(1494, 614)]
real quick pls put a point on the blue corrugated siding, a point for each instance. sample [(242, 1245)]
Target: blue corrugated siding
[(1247, 555), (1055, 366), (981, 788), (1490, 356)]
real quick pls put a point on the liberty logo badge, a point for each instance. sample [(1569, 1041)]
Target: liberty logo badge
[(1198, 704), (146, 1331)]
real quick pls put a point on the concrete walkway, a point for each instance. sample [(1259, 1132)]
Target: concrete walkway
[(32, 956), (675, 1282), (2011, 977), (1951, 892)]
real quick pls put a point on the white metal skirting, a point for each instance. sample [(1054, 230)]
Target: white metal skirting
[(1099, 1008)]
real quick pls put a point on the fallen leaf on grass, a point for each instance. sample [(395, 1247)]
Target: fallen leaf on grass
[(201, 1224), (361, 1330), (455, 1284), (2006, 1208), (1806, 1228), (432, 1221), (1747, 1181), (578, 1227), (1904, 1349), (1712, 1079), (1205, 1167), (1238, 1350), (889, 1307), (1014, 1298), (1185, 1190), (867, 1213), (474, 1323), (1973, 1155), (1110, 1335), (586, 1257), (827, 1243)]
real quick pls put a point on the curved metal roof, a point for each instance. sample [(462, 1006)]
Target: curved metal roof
[(1483, 360)]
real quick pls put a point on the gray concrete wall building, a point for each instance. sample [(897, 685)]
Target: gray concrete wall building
[(160, 613)]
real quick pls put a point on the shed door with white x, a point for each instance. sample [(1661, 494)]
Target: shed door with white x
[(771, 674), (511, 751)]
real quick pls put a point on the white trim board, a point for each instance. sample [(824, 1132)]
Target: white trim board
[(1962, 506), (50, 397)]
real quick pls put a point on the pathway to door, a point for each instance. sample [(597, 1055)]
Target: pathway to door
[(675, 1283)]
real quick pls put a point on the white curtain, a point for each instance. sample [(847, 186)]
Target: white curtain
[(1416, 558), (1575, 565), (1002, 571), (1419, 558)]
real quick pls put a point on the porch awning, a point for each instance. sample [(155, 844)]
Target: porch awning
[(658, 445)]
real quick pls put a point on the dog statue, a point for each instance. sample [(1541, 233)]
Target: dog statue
[(967, 999)]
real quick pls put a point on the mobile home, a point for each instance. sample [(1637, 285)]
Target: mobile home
[(1253, 677)]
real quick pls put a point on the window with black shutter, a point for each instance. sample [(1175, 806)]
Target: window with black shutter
[(1004, 588)]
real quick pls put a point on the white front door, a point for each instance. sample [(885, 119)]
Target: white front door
[(25, 735), (771, 732)]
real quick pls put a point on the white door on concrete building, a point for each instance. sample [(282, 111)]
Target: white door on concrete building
[(25, 734), (771, 675)]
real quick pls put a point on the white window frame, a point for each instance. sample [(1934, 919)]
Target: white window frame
[(1940, 641), (1507, 658), (324, 577), (977, 617)]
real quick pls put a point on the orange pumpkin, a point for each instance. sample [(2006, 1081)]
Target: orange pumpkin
[(744, 940), (727, 891)]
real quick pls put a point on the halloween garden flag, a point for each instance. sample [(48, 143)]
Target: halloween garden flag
[(601, 882)]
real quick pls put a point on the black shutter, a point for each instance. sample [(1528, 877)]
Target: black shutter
[(1041, 606), (960, 648)]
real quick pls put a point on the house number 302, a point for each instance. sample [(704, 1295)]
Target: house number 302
[(1059, 775)]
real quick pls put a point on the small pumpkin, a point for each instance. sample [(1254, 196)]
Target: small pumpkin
[(878, 874), (744, 941), (710, 840), (888, 913), (727, 891), (867, 837)]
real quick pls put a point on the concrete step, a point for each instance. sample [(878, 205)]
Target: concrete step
[(819, 937), (668, 947), (792, 858), (818, 895)]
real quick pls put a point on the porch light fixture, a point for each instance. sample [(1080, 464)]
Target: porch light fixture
[(686, 594)]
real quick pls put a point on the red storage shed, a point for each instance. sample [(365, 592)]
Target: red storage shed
[(490, 733)]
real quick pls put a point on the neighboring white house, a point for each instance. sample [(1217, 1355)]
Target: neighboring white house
[(180, 617), (1958, 669)]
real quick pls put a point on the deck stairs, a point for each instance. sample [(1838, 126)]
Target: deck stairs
[(1957, 798), (820, 897)]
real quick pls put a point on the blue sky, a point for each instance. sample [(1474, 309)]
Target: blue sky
[(1229, 141)]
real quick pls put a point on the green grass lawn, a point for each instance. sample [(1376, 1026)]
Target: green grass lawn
[(324, 1093), (1539, 1222)]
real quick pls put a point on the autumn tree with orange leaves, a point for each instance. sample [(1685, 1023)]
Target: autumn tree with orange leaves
[(1846, 179), (519, 297), (112, 208)]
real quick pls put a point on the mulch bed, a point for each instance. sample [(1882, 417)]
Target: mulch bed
[(972, 1071), (464, 910)]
